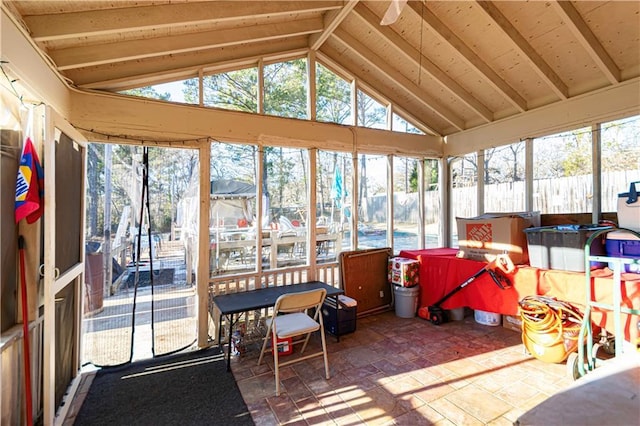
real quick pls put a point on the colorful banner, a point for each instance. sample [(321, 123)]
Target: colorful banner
[(29, 185)]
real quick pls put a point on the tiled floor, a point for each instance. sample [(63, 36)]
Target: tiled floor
[(406, 372)]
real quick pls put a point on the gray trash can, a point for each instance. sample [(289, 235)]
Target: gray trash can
[(406, 300)]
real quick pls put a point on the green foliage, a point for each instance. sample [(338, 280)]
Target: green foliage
[(234, 90), (148, 92), (285, 89), (333, 97), (578, 154)]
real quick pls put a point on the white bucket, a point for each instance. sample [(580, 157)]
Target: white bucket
[(487, 318), (406, 301)]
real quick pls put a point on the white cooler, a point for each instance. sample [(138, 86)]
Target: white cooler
[(629, 208)]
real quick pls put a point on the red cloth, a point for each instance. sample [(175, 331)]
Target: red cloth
[(441, 272), (29, 185)]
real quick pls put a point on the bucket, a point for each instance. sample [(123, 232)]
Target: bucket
[(406, 300), (487, 318)]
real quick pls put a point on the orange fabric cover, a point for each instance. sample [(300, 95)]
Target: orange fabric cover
[(441, 272)]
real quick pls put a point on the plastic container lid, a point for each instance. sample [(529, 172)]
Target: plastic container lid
[(621, 235)]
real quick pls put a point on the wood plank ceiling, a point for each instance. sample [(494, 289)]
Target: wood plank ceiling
[(448, 65)]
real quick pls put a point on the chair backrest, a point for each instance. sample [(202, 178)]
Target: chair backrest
[(295, 302)]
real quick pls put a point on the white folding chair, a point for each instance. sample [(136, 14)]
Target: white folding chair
[(291, 319)]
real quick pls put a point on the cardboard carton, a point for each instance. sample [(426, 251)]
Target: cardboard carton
[(403, 272), (483, 237), (512, 322)]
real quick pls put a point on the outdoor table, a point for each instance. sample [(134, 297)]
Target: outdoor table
[(238, 303)]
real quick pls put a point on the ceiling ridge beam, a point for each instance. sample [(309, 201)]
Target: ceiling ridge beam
[(79, 57), (535, 60), (588, 40), (395, 76), (469, 56), (121, 20), (426, 65), (332, 20)]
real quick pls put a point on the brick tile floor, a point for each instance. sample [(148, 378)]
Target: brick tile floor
[(406, 372)]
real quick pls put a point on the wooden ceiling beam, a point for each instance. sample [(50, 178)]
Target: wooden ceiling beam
[(419, 60), (79, 57), (332, 20), (60, 26), (104, 76), (587, 39), (526, 50), (397, 79), (469, 56)]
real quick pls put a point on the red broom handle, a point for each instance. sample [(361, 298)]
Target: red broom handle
[(25, 332)]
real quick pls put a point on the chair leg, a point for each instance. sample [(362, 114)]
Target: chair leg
[(276, 366), (324, 352), (306, 341), (264, 344)]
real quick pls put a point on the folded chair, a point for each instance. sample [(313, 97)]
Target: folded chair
[(290, 320)]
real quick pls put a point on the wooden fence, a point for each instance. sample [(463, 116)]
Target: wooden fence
[(573, 194)]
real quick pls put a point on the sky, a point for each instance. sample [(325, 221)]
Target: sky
[(174, 88)]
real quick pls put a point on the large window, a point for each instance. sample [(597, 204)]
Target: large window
[(562, 172), (333, 198), (371, 113), (285, 89), (185, 91), (432, 206), (399, 124), (504, 180), (333, 97), (233, 216), (464, 190), (620, 159), (405, 204), (234, 90), (372, 201), (285, 189)]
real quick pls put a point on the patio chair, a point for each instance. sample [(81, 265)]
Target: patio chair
[(290, 320)]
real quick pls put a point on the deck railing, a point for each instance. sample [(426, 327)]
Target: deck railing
[(326, 272)]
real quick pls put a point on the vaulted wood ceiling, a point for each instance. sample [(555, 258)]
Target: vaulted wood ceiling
[(447, 65)]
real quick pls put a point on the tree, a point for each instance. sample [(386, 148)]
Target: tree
[(95, 187), (333, 97), (148, 92)]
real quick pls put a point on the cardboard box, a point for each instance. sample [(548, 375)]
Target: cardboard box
[(483, 237), (403, 272), (512, 322)]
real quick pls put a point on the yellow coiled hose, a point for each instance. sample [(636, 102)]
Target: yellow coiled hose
[(550, 327)]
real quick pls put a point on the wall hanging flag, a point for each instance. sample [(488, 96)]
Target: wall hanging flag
[(29, 185)]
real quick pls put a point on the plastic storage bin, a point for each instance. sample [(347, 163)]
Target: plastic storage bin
[(563, 247), (623, 244), (487, 318), (406, 301)]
